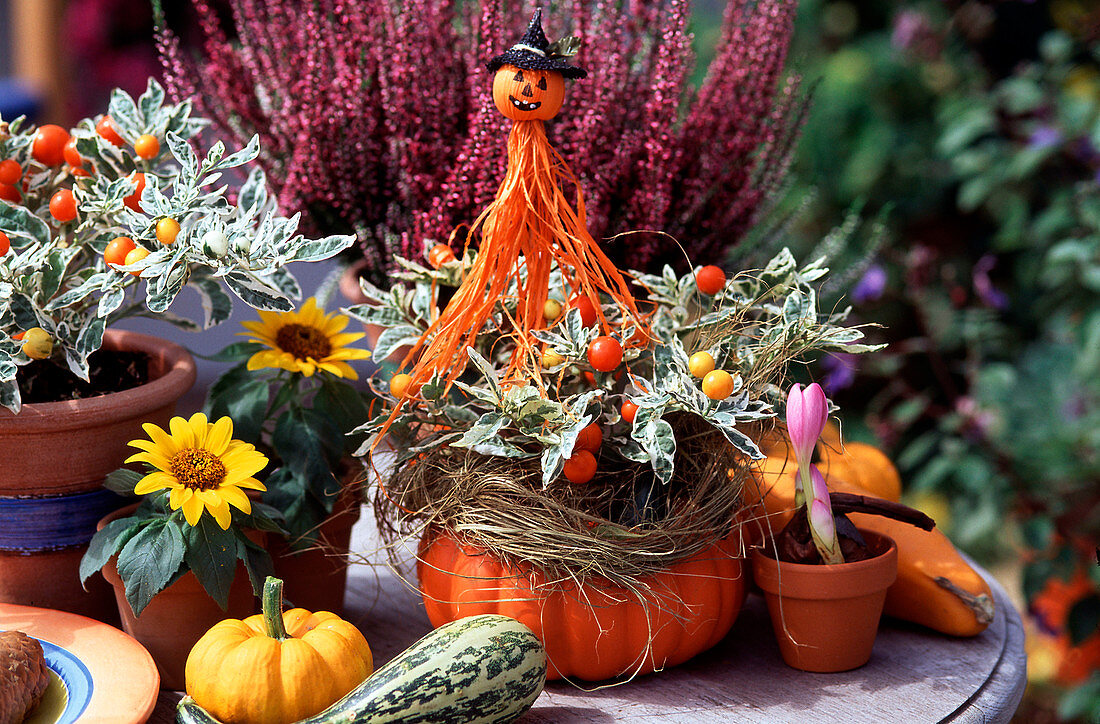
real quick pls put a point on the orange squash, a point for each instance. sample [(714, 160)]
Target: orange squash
[(935, 586), (594, 632), (277, 666)]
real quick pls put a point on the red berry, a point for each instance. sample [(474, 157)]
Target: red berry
[(134, 199), (72, 156), (10, 193), (63, 206), (48, 147), (10, 172), (605, 353), (590, 438), (710, 280), (106, 129), (580, 468), (5, 243), (439, 255), (586, 308), (629, 410)]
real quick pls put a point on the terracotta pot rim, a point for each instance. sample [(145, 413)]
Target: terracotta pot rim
[(845, 580), (178, 376)]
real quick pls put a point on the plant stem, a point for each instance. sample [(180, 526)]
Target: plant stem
[(273, 609)]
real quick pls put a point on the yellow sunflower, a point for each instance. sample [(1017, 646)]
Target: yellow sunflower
[(203, 466), (304, 341)]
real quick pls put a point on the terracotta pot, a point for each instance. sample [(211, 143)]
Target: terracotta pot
[(599, 631), (178, 616), (826, 617), (316, 578), (47, 519)]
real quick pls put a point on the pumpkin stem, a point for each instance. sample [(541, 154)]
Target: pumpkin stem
[(273, 608)]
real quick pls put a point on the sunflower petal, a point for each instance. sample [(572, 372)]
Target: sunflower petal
[(179, 496), (221, 513), (219, 434), (155, 481), (161, 438), (155, 459), (182, 433), (235, 496), (192, 509), (251, 484)]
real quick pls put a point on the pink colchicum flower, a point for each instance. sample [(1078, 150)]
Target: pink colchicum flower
[(807, 412), (822, 526)]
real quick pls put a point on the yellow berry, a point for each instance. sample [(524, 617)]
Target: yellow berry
[(701, 364), (551, 310), (167, 230), (134, 256), (400, 384), (37, 343), (550, 358)]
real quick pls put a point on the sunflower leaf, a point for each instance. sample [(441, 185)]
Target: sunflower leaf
[(105, 543), (257, 562), (122, 481), (149, 560), (212, 557)]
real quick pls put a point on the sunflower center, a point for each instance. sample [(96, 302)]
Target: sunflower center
[(198, 469), (303, 341)]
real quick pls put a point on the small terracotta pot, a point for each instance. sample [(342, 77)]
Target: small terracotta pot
[(178, 616), (76, 443), (826, 617), (316, 578)]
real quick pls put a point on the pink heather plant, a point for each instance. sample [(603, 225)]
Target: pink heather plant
[(807, 412), (376, 117)]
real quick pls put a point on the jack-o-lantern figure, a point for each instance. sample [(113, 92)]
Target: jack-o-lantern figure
[(523, 95), (530, 76), (530, 227)]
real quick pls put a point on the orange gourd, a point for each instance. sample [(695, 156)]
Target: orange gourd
[(862, 465), (277, 666), (527, 95), (593, 632), (935, 586)]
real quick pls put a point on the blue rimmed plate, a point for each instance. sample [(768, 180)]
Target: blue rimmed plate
[(99, 673)]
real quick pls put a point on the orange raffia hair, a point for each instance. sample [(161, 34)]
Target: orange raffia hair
[(529, 224)]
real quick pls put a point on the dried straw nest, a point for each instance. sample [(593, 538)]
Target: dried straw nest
[(620, 528)]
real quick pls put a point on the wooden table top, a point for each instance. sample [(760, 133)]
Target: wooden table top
[(914, 674)]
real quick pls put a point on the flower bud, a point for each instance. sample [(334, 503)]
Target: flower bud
[(215, 244)]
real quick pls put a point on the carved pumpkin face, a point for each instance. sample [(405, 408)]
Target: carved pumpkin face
[(527, 95)]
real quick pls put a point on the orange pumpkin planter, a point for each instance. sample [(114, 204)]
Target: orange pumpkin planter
[(594, 632)]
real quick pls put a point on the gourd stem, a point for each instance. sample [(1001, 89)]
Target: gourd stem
[(273, 608)]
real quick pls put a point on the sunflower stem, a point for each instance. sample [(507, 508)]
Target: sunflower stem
[(273, 609)]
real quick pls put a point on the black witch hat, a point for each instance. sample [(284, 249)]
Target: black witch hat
[(535, 52)]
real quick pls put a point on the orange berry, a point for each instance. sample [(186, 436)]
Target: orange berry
[(628, 410), (401, 385), (117, 249), (134, 256), (72, 156), (147, 146), (580, 468), (10, 193), (590, 438), (701, 364), (167, 231), (63, 206), (10, 172), (718, 385), (5, 243), (439, 255)]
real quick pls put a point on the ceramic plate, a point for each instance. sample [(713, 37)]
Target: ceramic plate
[(100, 673)]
